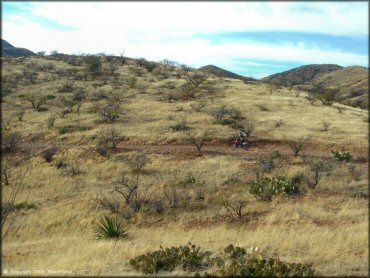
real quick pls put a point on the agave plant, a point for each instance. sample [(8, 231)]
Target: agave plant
[(110, 228)]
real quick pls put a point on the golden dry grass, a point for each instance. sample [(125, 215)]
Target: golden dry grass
[(325, 227)]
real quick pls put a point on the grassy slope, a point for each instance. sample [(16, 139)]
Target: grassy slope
[(324, 227), (353, 84)]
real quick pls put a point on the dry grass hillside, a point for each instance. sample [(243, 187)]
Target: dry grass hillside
[(350, 85), (151, 146)]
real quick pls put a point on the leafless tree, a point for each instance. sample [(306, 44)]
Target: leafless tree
[(234, 208), (274, 86), (200, 193), (110, 137), (297, 146), (196, 139), (340, 108), (325, 126), (198, 106), (111, 112), (15, 187), (36, 100), (127, 187), (195, 79), (311, 98), (111, 205), (220, 113), (355, 171), (137, 162), (176, 199)]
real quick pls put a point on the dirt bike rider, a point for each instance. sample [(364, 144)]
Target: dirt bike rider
[(242, 137)]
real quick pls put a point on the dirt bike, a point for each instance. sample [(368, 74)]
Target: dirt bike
[(240, 144)]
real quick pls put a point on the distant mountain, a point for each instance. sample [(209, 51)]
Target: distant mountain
[(219, 72), (350, 84), (301, 75), (8, 50)]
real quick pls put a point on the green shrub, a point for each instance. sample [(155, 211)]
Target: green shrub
[(188, 257), (359, 194), (49, 153), (131, 82), (237, 262), (60, 164), (8, 207), (180, 126), (190, 181), (327, 98), (342, 155), (266, 188), (234, 262), (66, 88), (110, 228), (71, 128)]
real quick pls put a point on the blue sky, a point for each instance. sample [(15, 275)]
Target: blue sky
[(250, 38)]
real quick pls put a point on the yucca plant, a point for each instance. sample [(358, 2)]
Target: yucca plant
[(110, 228)]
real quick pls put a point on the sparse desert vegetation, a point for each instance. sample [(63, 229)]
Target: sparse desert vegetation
[(98, 147)]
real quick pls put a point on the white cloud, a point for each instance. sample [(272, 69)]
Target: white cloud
[(191, 17), (164, 30)]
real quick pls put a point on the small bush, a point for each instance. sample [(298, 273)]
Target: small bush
[(111, 112), (73, 170), (359, 194), (20, 115), (317, 168), (10, 142), (263, 107), (266, 188), (50, 121), (190, 181), (8, 207), (340, 109), (137, 162), (342, 155), (60, 164), (188, 257), (110, 228), (37, 101), (311, 98), (238, 262), (66, 88), (180, 126), (234, 262), (49, 153), (131, 82), (327, 98), (279, 123), (354, 171), (297, 146), (325, 126), (270, 161), (71, 128), (198, 106)]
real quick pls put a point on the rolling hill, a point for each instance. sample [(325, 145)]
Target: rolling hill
[(219, 72), (9, 50), (301, 75), (350, 84)]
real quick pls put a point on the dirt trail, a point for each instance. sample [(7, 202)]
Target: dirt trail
[(209, 148)]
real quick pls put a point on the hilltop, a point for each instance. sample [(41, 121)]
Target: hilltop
[(349, 84), (219, 72), (9, 50), (301, 74)]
